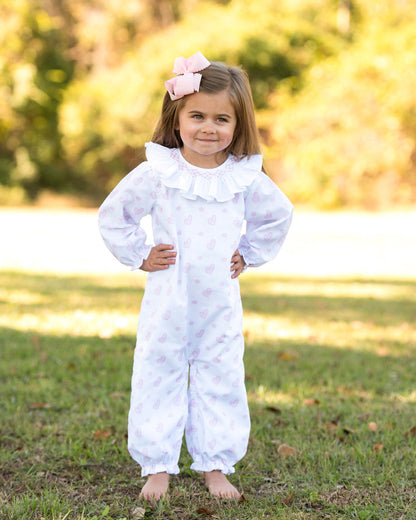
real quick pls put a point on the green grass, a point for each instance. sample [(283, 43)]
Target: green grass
[(331, 372)]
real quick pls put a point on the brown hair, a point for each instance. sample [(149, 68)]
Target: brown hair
[(216, 78)]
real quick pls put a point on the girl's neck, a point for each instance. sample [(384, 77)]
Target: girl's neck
[(207, 162)]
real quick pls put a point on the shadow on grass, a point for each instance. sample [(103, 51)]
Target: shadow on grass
[(290, 372), (385, 303)]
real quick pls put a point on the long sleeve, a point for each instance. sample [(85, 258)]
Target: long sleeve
[(120, 214), (268, 214)]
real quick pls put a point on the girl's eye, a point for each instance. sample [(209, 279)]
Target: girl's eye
[(223, 120), (196, 116)]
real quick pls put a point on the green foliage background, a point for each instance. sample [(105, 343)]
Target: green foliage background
[(81, 85)]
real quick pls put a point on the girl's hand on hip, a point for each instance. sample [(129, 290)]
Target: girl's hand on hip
[(160, 257), (237, 264)]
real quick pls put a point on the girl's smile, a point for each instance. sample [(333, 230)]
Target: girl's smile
[(206, 126)]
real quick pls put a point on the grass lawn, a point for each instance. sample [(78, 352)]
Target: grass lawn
[(331, 378)]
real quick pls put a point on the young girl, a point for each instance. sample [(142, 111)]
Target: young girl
[(202, 179)]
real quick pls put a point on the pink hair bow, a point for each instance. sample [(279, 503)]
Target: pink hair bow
[(187, 81)]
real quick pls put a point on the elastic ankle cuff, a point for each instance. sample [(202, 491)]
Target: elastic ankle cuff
[(160, 468)]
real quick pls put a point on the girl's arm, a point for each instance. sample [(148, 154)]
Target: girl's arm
[(120, 214), (268, 213)]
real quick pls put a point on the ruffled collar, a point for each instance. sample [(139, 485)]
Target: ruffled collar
[(219, 184)]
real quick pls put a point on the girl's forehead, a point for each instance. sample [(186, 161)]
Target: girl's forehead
[(204, 102)]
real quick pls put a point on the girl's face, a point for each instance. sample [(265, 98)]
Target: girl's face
[(206, 126)]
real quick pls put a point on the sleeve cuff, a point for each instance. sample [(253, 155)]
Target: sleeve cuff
[(144, 253)]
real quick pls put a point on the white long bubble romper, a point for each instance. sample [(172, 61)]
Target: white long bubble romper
[(188, 371)]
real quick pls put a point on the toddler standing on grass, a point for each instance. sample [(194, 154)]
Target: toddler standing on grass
[(202, 179)]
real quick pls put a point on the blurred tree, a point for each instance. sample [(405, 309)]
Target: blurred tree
[(81, 85), (34, 74), (344, 16), (349, 137)]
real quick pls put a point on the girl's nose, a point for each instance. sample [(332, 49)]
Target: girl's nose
[(208, 128)]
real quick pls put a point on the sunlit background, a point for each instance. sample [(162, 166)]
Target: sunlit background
[(81, 84)]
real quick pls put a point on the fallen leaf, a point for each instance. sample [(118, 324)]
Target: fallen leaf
[(286, 501), (139, 512), (117, 394), (411, 432), (311, 402), (336, 419), (287, 451), (242, 498), (378, 447), (102, 434), (372, 426), (274, 409), (331, 426), (205, 511), (35, 406)]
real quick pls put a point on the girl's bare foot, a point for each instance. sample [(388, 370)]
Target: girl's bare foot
[(218, 485), (156, 487)]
